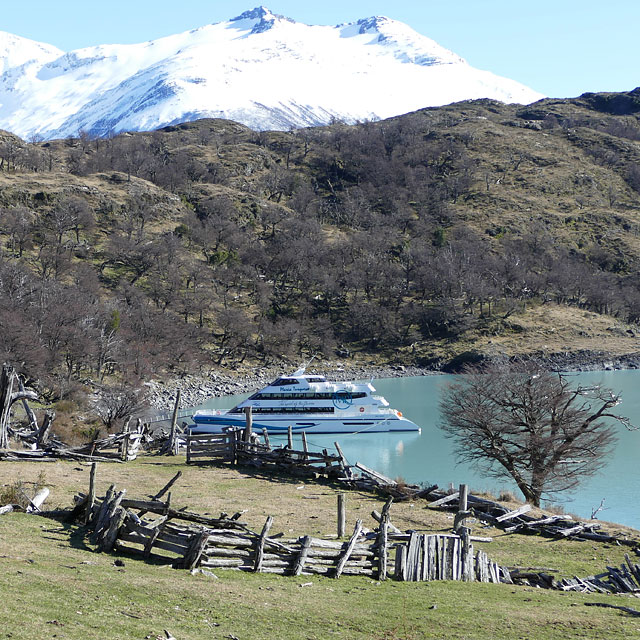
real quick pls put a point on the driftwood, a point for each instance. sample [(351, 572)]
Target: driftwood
[(518, 521)]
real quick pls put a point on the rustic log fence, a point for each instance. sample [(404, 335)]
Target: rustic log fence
[(242, 446), (154, 529)]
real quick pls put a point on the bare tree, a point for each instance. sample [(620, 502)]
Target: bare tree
[(532, 426), (117, 403)]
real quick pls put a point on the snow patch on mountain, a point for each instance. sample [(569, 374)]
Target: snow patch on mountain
[(259, 68)]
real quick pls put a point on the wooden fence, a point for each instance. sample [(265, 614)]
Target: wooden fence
[(233, 446), (429, 557), (215, 447), (152, 528)]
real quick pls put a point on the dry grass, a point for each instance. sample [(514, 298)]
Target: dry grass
[(55, 586)]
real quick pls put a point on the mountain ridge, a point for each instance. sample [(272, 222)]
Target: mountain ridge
[(264, 70)]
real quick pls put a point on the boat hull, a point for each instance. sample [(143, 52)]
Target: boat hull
[(217, 423)]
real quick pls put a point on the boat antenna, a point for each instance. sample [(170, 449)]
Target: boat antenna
[(300, 371)]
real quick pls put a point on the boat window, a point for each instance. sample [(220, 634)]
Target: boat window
[(301, 395), (316, 379), (281, 382), (293, 410)]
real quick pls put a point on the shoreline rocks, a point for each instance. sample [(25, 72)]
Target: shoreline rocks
[(197, 389)]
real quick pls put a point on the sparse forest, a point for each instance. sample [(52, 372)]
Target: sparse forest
[(207, 244)]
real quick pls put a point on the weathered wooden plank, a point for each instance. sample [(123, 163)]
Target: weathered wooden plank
[(532, 524), (450, 498), (413, 557), (320, 543), (456, 570), (381, 479), (342, 515), (512, 514), (383, 548), (231, 541), (225, 563), (347, 552), (155, 506), (91, 498), (111, 534), (432, 557), (344, 465), (400, 571), (195, 549), (259, 555), (302, 557), (38, 500)]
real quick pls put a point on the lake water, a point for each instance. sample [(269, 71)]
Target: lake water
[(428, 457)]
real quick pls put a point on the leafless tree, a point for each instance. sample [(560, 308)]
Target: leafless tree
[(519, 422), (117, 403)]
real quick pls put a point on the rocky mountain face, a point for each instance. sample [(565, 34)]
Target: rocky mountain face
[(260, 69)]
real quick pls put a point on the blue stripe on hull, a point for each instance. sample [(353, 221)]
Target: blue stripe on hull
[(214, 424)]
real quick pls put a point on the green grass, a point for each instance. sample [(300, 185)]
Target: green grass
[(55, 586)]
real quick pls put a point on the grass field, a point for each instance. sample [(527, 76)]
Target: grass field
[(55, 586)]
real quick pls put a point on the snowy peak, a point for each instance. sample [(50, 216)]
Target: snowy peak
[(16, 51), (259, 13), (409, 45), (259, 68), (262, 18)]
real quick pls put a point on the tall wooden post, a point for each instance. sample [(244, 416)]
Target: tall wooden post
[(248, 424), (124, 450), (342, 515), (458, 523), (173, 449), (91, 498), (7, 378), (463, 497), (290, 437)]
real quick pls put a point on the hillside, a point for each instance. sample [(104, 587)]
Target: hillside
[(432, 238)]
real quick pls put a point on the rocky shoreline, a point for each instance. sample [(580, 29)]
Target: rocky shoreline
[(196, 390)]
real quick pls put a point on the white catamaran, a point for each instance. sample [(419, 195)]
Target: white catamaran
[(309, 403)]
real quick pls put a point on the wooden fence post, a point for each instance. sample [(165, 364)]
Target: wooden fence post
[(290, 437), (463, 512), (173, 438), (92, 492), (6, 386), (249, 424), (257, 565), (124, 450), (342, 515), (464, 496)]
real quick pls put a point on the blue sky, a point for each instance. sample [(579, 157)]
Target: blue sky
[(561, 48)]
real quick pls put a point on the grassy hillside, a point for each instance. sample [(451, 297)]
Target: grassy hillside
[(54, 585), (476, 228)]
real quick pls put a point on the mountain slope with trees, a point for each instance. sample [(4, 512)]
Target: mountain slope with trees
[(440, 236)]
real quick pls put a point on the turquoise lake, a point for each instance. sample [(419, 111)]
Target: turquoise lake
[(428, 457)]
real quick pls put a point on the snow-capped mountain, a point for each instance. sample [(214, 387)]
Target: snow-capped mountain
[(261, 69)]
